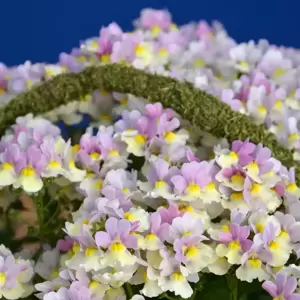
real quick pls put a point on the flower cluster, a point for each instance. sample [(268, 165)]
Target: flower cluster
[(15, 275), (256, 79), (161, 204)]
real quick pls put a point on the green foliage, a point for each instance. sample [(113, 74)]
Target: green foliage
[(201, 109)]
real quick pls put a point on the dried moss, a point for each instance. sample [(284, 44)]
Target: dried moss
[(202, 109)]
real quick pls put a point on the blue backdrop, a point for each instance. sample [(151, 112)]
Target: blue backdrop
[(38, 30)]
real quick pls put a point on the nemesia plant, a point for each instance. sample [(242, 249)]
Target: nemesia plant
[(133, 202)]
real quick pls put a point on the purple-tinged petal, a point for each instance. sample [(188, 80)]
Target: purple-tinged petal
[(111, 227), (179, 184), (102, 239), (290, 286), (271, 288), (281, 281)]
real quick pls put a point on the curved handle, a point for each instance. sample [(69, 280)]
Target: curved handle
[(201, 109)]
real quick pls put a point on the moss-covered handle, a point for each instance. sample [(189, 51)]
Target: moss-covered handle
[(201, 109)]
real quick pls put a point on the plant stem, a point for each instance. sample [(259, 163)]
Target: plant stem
[(39, 204), (128, 290), (232, 283)]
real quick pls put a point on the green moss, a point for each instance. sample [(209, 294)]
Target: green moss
[(200, 108)]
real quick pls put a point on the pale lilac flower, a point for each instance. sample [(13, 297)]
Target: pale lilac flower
[(283, 288), (260, 165), (228, 97), (54, 166), (241, 153), (234, 243), (117, 240), (48, 264), (154, 18), (30, 170), (186, 225), (190, 251), (11, 162), (196, 181), (108, 35), (276, 246), (253, 264), (70, 63), (158, 233), (159, 176), (274, 64), (24, 76)]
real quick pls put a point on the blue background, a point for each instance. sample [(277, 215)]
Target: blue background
[(38, 30)]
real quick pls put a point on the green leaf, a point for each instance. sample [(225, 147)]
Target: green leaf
[(215, 288)]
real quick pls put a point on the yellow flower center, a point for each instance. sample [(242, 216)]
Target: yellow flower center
[(155, 30), (259, 227), (225, 228), (193, 188), (244, 64), (7, 166), (163, 52), (177, 276), (199, 63), (278, 73), (255, 263), (2, 91), (140, 139), (273, 245), (105, 58), (129, 216), (76, 248), (294, 136), (94, 155), (54, 164), (237, 196), (76, 148), (234, 245), (210, 187), (237, 179), (255, 189), (233, 155), (151, 236), (90, 251), (114, 153), (2, 278), (117, 247), (126, 190), (55, 273), (124, 101), (262, 110), (85, 222), (170, 137), (28, 172), (291, 187), (72, 164), (139, 50), (278, 104), (160, 184), (191, 252), (29, 83), (93, 284), (81, 59), (185, 208), (284, 234), (188, 233), (98, 185)]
